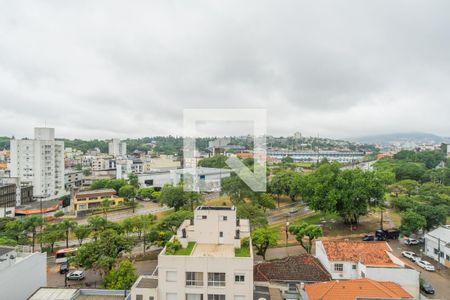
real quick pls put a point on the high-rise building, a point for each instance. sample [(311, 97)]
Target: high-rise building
[(39, 161), (117, 148)]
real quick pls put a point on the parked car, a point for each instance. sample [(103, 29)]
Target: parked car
[(293, 210), (410, 255), (409, 241), (64, 268), (368, 238), (76, 275), (426, 287), (424, 264), (382, 235)]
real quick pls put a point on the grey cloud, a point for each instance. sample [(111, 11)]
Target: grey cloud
[(110, 68)]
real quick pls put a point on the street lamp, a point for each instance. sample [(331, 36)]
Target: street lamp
[(287, 229)]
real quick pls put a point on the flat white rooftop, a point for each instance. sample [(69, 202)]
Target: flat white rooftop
[(213, 250)]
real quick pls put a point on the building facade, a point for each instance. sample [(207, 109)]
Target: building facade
[(374, 260), (7, 200), (92, 199), (21, 274), (213, 264), (117, 148), (39, 162), (437, 245)]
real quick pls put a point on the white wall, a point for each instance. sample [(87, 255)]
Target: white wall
[(22, 279), (228, 265), (407, 278)]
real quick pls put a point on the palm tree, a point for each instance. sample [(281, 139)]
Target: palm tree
[(82, 232), (106, 205), (67, 226), (31, 224)]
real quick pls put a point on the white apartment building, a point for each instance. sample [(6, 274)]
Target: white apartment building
[(207, 179), (437, 245), (21, 273), (345, 259), (117, 148), (39, 161), (211, 264)]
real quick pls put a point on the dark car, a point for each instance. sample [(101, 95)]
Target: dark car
[(64, 268), (368, 238), (426, 287)]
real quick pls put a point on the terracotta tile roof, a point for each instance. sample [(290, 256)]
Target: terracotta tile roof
[(368, 253), (302, 267), (352, 289)]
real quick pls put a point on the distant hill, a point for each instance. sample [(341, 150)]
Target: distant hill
[(401, 138)]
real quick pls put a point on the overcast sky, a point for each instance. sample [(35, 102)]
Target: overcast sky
[(127, 69)]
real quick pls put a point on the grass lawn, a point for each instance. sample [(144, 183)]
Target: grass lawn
[(186, 251), (242, 252)]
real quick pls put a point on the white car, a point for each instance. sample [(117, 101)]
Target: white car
[(424, 264), (76, 275), (411, 242), (410, 255)]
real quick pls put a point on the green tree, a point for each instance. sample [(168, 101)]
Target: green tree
[(31, 223), (133, 180), (409, 170), (101, 254), (263, 238), (305, 230), (51, 234), (105, 206), (172, 196), (265, 201), (67, 226), (82, 232), (146, 192), (217, 161), (4, 241), (287, 160), (14, 229), (349, 193), (122, 277), (411, 222), (408, 185), (434, 215), (97, 224), (236, 189), (254, 214), (174, 220), (127, 191)]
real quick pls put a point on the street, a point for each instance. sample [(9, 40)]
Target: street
[(440, 280)]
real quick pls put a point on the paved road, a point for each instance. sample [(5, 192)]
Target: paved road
[(440, 280)]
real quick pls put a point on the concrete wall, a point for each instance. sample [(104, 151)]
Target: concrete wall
[(405, 277), (20, 280), (228, 265)]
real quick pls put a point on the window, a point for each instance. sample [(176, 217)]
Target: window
[(194, 279), (171, 276), (151, 298), (221, 234), (354, 267), (447, 257), (204, 217), (292, 287), (223, 218), (194, 296), (436, 251), (139, 297), (216, 279), (216, 297), (239, 278), (338, 267)]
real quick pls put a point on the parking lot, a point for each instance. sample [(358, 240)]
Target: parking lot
[(93, 279), (440, 280)]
